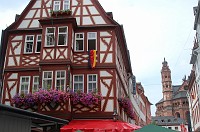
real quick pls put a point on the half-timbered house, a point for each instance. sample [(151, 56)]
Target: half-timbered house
[(49, 45)]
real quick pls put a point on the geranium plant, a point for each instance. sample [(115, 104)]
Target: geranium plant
[(41, 96), (127, 106), (86, 98)]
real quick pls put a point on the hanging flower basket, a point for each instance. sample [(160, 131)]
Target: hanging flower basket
[(127, 106)]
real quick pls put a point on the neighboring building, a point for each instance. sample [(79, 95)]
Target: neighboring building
[(142, 106), (169, 122), (174, 102), (47, 47), (194, 79)]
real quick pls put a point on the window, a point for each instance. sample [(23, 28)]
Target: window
[(62, 36), (78, 83), (29, 44), (178, 115), (56, 5), (47, 79), (170, 127), (79, 37), (66, 5), (92, 83), (24, 84), (35, 84), (50, 36), (38, 44), (92, 40), (176, 128), (60, 80)]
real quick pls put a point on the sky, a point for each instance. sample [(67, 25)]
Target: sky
[(154, 29)]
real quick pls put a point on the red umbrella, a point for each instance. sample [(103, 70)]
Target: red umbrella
[(98, 126)]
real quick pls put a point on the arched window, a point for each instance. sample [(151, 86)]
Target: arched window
[(187, 115), (178, 115)]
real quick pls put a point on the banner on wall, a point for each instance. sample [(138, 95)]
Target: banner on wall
[(92, 58)]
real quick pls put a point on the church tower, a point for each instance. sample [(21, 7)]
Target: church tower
[(167, 88)]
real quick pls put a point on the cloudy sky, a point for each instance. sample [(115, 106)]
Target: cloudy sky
[(154, 29)]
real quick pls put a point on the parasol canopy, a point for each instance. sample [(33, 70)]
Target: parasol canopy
[(98, 126)]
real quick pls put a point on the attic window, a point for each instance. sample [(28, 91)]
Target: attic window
[(56, 5), (66, 5)]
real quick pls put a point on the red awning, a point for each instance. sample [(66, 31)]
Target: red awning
[(99, 126)]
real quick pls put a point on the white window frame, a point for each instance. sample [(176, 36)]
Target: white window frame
[(79, 39), (91, 38), (56, 3), (62, 33), (46, 79), (78, 82), (35, 83), (37, 43), (60, 79), (24, 83), (28, 41), (47, 34), (67, 3), (88, 82)]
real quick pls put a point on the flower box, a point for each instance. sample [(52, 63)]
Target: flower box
[(86, 99), (42, 97), (61, 13)]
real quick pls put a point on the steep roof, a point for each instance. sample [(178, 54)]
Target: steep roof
[(167, 120), (177, 93)]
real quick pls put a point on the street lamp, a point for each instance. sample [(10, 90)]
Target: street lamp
[(115, 115)]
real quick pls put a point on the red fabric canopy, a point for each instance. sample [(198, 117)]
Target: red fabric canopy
[(98, 126)]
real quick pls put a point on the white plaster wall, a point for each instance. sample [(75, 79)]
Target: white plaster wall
[(11, 61), (109, 58), (93, 10), (24, 24), (87, 2), (99, 20), (37, 4), (87, 21), (30, 14), (17, 38)]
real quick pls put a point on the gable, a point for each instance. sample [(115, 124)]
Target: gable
[(86, 12)]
